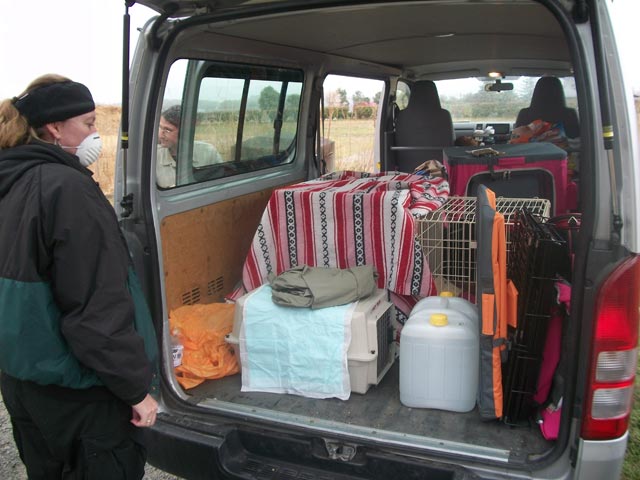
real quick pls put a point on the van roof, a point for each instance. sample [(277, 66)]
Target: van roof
[(436, 40)]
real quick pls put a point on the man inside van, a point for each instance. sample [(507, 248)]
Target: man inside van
[(204, 154)]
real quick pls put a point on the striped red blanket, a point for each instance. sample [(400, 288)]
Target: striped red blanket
[(346, 219)]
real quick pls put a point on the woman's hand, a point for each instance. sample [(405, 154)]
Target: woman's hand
[(145, 412)]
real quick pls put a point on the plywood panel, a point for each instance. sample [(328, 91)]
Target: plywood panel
[(203, 249)]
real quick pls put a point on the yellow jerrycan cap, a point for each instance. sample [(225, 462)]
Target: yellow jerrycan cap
[(438, 320)]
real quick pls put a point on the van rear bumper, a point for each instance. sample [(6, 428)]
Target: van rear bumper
[(601, 459), (192, 450), (184, 452)]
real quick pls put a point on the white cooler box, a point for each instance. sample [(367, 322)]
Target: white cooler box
[(372, 350)]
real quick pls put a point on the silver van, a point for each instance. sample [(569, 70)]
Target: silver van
[(239, 108)]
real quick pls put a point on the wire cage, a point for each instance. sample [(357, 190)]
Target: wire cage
[(447, 238), (539, 254)]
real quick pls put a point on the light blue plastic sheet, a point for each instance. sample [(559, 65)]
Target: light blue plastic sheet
[(295, 350)]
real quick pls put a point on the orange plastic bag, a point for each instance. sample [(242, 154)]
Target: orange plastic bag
[(201, 328), (527, 133)]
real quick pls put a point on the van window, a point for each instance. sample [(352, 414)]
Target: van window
[(351, 107), (221, 119)]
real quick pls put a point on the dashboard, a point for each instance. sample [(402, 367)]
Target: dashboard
[(502, 130)]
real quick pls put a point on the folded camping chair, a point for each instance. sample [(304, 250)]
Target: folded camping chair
[(497, 302)]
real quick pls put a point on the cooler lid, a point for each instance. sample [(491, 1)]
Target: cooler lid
[(532, 152)]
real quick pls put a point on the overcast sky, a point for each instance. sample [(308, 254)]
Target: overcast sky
[(82, 39)]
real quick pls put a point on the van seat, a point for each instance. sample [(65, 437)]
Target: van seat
[(424, 123), (548, 103)]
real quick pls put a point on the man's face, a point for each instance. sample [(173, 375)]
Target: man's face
[(168, 135)]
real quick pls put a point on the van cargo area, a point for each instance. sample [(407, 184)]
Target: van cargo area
[(379, 414), (194, 261)]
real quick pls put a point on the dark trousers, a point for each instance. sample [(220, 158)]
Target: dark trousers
[(70, 434)]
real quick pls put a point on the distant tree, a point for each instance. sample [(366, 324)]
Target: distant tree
[(268, 101), (291, 106), (331, 106), (364, 110), (331, 102), (359, 97), (376, 97), (525, 87), (292, 101), (342, 97), (334, 108), (229, 105)]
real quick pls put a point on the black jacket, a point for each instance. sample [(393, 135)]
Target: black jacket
[(70, 307)]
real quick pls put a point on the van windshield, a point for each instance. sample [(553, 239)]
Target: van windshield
[(468, 100)]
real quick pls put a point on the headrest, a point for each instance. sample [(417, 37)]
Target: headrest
[(548, 92), (424, 94)]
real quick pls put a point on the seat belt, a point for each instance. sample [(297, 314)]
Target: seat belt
[(320, 135)]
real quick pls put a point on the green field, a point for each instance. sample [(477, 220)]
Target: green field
[(631, 467), (353, 139)]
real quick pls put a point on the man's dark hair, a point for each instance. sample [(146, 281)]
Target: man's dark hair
[(172, 115)]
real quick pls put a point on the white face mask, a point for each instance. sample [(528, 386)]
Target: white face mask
[(89, 149)]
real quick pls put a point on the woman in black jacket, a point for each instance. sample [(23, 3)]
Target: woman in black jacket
[(77, 346)]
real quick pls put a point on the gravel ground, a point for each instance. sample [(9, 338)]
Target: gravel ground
[(11, 467)]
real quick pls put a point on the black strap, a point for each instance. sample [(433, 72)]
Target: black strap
[(320, 136)]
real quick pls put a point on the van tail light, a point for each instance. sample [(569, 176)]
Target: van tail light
[(614, 354)]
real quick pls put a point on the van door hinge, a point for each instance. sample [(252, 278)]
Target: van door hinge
[(340, 451), (580, 11), (127, 205)]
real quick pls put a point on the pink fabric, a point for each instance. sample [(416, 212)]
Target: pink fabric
[(550, 356), (564, 295), (346, 219), (550, 425), (571, 196), (550, 418)]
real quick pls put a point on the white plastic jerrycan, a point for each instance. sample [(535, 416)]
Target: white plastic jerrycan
[(439, 358)]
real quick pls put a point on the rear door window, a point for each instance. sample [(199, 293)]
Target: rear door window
[(221, 119)]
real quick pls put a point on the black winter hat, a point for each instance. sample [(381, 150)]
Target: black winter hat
[(54, 103)]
